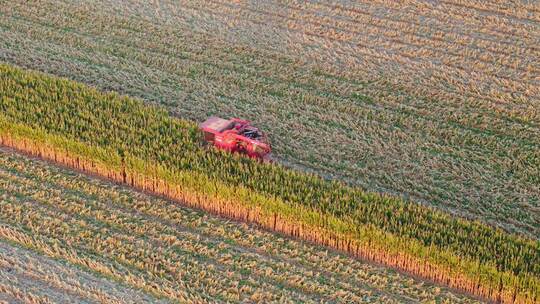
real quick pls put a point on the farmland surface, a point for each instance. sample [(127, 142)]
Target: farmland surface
[(65, 237), (121, 139), (437, 101)]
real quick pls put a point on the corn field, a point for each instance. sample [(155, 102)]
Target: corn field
[(434, 101), (62, 233), (124, 140)]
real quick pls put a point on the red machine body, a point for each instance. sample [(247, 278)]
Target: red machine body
[(236, 135)]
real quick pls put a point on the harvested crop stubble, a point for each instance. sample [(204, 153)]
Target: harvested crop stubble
[(438, 101), (52, 277), (120, 138), (48, 209)]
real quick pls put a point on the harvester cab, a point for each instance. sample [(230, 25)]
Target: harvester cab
[(236, 135)]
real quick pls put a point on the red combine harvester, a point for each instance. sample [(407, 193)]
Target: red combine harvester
[(236, 135)]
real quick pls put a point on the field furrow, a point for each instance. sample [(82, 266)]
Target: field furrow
[(385, 40), (19, 293), (175, 225), (453, 14), (469, 75), (29, 285)]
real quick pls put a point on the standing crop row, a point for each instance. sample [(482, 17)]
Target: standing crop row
[(130, 130)]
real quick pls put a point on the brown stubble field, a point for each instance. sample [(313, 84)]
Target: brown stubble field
[(437, 102)]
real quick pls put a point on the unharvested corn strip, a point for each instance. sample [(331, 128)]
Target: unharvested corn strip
[(120, 138)]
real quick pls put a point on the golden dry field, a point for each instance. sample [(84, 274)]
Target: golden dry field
[(435, 101)]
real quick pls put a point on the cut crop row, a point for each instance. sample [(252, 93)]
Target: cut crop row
[(73, 284)]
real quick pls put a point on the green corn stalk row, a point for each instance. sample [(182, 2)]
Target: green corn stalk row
[(507, 265)]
